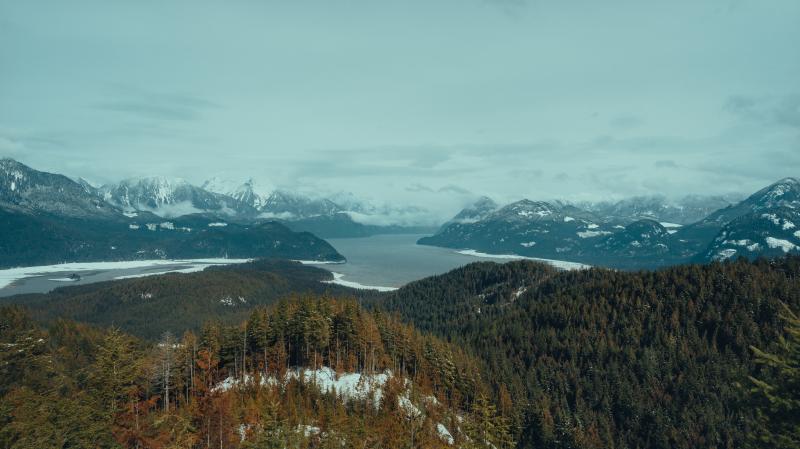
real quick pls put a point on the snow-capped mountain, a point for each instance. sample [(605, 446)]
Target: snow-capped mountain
[(642, 239), (767, 223), (30, 191), (288, 205), (477, 211), (47, 218), (686, 210), (528, 228), (171, 198), (250, 192)]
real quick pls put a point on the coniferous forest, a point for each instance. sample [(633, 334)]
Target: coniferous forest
[(258, 384), (489, 355)]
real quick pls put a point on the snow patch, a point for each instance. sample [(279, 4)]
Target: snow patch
[(784, 245), (590, 234), (556, 263), (773, 218), (338, 279), (528, 244), (566, 220), (11, 275), (445, 434), (319, 262), (725, 254)]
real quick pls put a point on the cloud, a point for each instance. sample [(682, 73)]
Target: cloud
[(626, 121), (665, 164), (770, 110), (157, 106), (9, 146)]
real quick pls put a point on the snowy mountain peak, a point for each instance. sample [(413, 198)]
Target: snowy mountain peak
[(251, 192), (785, 192), (479, 210), (528, 210)]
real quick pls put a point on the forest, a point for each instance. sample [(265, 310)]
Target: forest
[(489, 355), (601, 358), (278, 379)]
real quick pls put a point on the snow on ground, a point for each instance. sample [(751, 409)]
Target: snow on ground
[(319, 262), (63, 280), (11, 275), (338, 279), (784, 245), (725, 254), (668, 225), (750, 245), (445, 434), (197, 266), (556, 263), (347, 386), (590, 234)]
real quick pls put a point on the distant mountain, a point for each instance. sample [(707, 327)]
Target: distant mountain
[(617, 235), (477, 211), (167, 197), (47, 218), (26, 190), (686, 210), (291, 206), (528, 228), (250, 192)]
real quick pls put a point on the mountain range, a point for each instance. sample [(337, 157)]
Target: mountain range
[(634, 233), (47, 218)]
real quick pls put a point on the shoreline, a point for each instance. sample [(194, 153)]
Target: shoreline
[(563, 264), (338, 280)]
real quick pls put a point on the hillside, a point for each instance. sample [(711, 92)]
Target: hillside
[(599, 358), (176, 302), (307, 373)]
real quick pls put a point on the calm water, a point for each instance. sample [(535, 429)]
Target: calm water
[(393, 260), (383, 260)]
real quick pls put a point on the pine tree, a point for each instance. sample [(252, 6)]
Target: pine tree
[(485, 428), (777, 400)]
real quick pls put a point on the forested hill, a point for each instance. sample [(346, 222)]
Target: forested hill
[(149, 306), (599, 358), (306, 373)]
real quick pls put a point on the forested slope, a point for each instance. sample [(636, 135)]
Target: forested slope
[(600, 358), (149, 306), (308, 372)]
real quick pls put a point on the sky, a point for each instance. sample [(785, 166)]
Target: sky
[(426, 103)]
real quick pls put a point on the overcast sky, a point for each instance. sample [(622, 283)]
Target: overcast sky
[(409, 101)]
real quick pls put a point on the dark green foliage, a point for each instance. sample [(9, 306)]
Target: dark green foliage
[(28, 239), (176, 302), (777, 400), (601, 358)]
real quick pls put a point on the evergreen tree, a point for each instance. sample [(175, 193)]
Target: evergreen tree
[(777, 398)]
